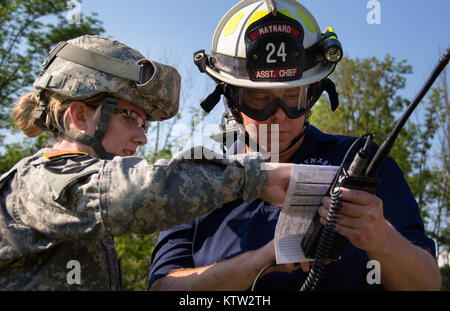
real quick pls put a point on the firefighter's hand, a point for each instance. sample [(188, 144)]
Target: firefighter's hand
[(361, 219)]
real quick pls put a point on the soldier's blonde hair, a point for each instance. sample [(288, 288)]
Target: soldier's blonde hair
[(56, 120)]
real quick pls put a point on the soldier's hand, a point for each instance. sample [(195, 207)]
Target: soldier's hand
[(278, 182)]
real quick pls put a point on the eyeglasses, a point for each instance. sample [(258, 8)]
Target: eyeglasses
[(133, 118)]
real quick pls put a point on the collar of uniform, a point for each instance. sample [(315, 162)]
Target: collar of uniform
[(313, 138)]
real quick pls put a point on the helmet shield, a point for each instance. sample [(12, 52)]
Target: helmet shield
[(274, 49), (260, 104)]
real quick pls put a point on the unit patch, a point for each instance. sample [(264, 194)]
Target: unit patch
[(274, 49), (68, 162)]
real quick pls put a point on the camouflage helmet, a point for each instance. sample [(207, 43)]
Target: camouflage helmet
[(86, 66), (89, 65)]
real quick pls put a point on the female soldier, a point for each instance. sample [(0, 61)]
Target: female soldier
[(61, 206)]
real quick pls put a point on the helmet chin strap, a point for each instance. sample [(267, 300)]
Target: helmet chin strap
[(95, 141), (296, 139)]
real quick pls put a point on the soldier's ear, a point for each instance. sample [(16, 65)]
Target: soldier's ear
[(79, 115)]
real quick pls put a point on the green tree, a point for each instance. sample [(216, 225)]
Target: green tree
[(27, 33), (368, 101), (134, 251), (16, 151), (445, 272), (28, 30), (428, 179)]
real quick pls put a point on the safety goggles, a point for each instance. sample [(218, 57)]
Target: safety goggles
[(132, 117), (260, 104)]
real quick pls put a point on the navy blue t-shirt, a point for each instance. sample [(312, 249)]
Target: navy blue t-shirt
[(239, 226)]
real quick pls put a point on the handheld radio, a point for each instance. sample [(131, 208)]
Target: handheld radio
[(321, 242)]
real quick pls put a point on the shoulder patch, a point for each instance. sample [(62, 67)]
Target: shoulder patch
[(68, 162)]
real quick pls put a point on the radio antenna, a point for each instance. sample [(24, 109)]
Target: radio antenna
[(387, 145)]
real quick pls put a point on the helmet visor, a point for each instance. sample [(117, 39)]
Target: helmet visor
[(260, 104)]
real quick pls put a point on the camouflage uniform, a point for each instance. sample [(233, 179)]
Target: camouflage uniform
[(60, 210), (62, 207)]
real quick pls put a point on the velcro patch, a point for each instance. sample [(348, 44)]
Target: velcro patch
[(68, 162)]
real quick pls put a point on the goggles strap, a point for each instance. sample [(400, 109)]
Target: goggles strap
[(40, 114), (213, 99), (317, 88), (53, 54), (296, 139), (96, 61), (330, 88)]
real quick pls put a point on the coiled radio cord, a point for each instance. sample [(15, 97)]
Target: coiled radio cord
[(328, 233), (325, 243)]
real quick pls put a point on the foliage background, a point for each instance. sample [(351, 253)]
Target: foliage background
[(369, 91)]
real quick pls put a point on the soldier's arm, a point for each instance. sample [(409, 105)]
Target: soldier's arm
[(130, 195), (138, 197)]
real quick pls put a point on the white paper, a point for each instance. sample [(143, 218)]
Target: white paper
[(307, 187)]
